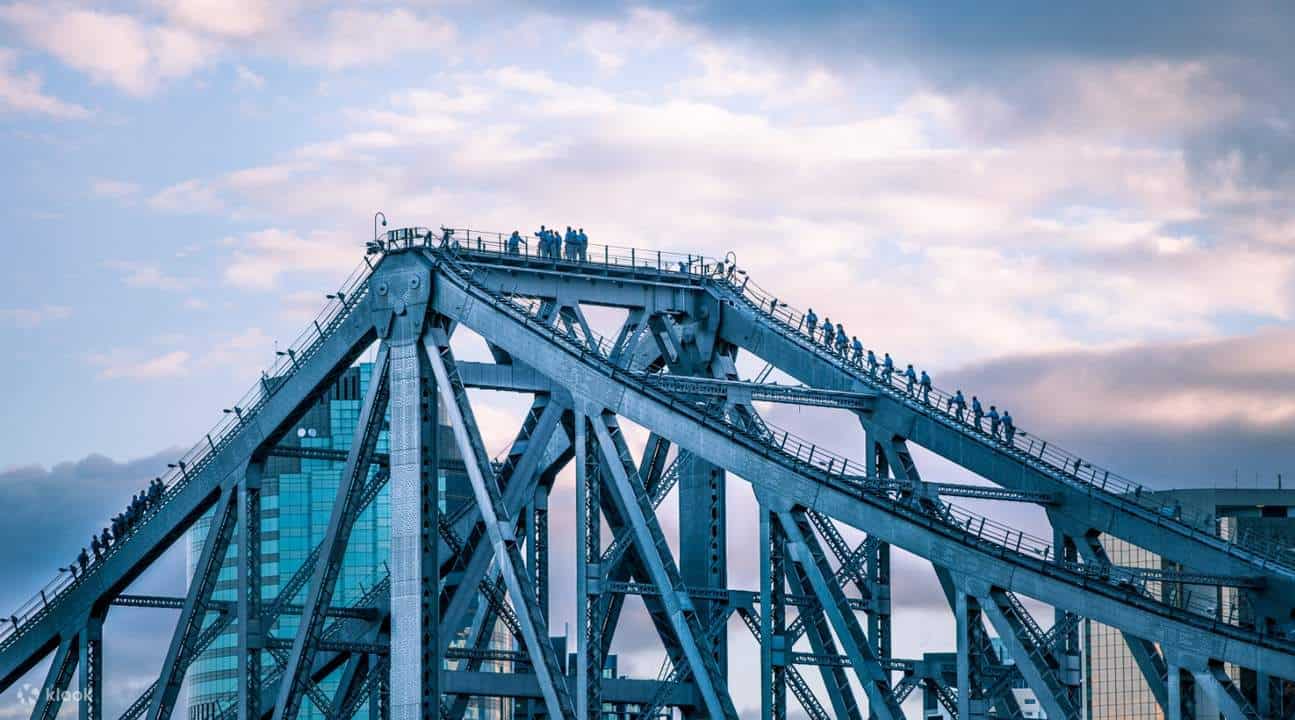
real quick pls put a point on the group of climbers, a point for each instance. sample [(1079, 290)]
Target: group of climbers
[(572, 245), (123, 523), (917, 385)]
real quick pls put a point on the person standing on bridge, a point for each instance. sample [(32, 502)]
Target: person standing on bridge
[(514, 243), (857, 347), (1009, 427), (582, 245), (811, 322), (828, 332), (993, 421), (887, 368), (95, 547), (82, 559), (569, 251), (543, 244), (910, 379), (958, 404), (105, 540), (872, 363), (841, 342), (925, 384)]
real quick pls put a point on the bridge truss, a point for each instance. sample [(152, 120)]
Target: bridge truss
[(417, 645)]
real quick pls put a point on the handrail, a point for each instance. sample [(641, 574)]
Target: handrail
[(1033, 450), (847, 475), (1041, 454), (335, 311)]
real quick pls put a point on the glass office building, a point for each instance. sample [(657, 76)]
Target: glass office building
[(1116, 688), (296, 504)]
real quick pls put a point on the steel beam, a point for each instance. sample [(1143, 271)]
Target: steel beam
[(250, 631), (636, 507), (1036, 663), (589, 595), (500, 526), (91, 667), (1231, 702), (1155, 671), (57, 679), (773, 621), (191, 620), (415, 522), (333, 547), (805, 550), (596, 381)]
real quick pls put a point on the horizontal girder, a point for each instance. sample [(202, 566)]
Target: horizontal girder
[(738, 391)]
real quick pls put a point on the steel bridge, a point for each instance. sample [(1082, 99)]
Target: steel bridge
[(822, 612)]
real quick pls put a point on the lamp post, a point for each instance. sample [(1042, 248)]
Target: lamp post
[(376, 215)]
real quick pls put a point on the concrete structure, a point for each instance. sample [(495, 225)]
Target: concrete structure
[(419, 643)]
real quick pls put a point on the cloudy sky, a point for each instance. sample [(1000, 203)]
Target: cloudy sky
[(1083, 214)]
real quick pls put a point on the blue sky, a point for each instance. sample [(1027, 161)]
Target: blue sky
[(1084, 214), (185, 179)]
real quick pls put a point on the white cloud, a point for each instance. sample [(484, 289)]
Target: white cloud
[(189, 196), (23, 92), (246, 78), (352, 37), (34, 316), (111, 48), (119, 189), (146, 275), (124, 365), (261, 257), (230, 18)]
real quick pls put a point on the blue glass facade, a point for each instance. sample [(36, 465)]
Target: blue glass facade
[(297, 501)]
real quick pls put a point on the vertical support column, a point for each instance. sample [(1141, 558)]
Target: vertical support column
[(963, 630), (773, 621), (589, 661), (91, 665), (703, 552), (415, 509), (540, 554), (1174, 682), (878, 568), (250, 638), (1067, 644)]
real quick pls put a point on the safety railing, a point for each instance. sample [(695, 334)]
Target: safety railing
[(1035, 451), (469, 242), (194, 461), (812, 460)]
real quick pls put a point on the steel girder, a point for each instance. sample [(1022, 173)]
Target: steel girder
[(1088, 505), (590, 603), (202, 485), (57, 679), (774, 668), (1048, 582), (635, 506), (346, 508), (194, 614), (695, 361), (1155, 671), (808, 554), (501, 527), (250, 630), (415, 522), (470, 553)]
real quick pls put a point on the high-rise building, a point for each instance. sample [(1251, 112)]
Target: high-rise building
[(1115, 686), (296, 503)]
